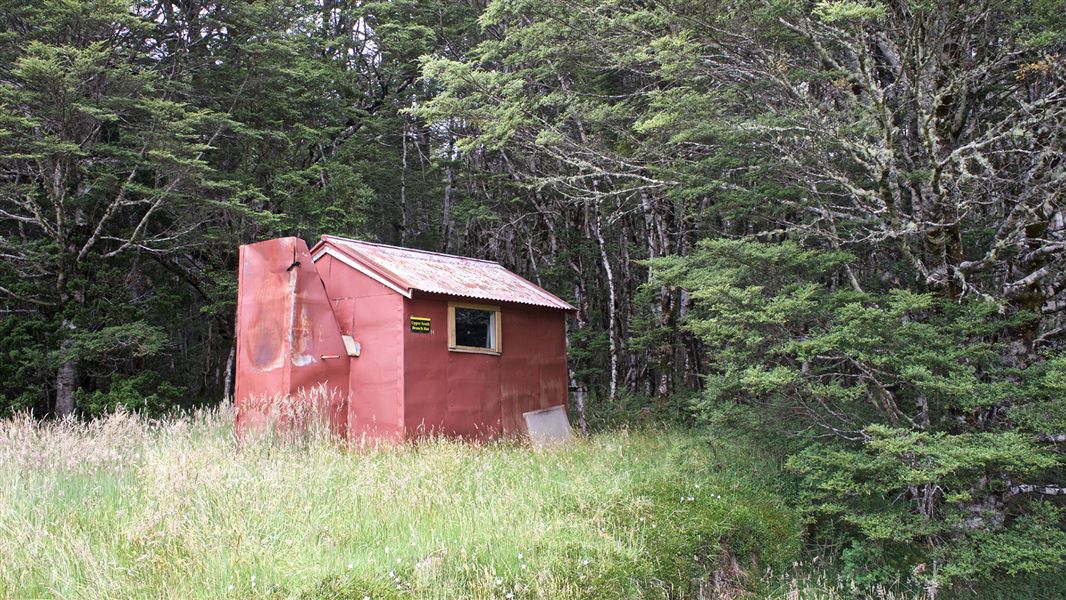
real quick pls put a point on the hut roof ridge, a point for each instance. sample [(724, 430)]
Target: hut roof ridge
[(434, 272)]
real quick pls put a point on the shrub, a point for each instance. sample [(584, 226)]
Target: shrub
[(917, 436)]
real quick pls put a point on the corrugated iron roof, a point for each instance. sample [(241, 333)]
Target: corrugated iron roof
[(407, 270)]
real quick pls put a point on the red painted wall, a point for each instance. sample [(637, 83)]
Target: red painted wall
[(478, 395), (533, 373), (426, 369), (373, 315), (408, 384)]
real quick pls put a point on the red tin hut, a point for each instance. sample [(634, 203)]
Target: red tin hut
[(405, 342)]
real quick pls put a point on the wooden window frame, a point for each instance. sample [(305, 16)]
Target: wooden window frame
[(497, 324)]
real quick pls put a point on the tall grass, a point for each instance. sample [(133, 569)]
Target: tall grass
[(820, 579), (125, 508)]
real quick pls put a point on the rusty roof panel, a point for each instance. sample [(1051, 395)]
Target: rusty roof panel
[(424, 271)]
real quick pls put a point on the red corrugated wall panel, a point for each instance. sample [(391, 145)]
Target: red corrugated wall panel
[(373, 315), (426, 368), (534, 372), (476, 395)]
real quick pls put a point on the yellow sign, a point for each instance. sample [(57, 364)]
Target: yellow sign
[(420, 325)]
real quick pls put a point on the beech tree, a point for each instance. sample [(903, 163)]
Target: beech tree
[(880, 189), (100, 157)]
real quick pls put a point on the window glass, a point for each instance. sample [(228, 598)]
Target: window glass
[(475, 328)]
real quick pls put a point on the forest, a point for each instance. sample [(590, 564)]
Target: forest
[(831, 229)]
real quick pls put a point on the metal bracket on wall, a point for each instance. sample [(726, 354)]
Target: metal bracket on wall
[(352, 347)]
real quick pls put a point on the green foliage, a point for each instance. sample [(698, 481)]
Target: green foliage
[(876, 489), (848, 10), (866, 197), (24, 358), (638, 412), (1040, 23), (143, 393), (119, 342), (894, 402), (344, 587)]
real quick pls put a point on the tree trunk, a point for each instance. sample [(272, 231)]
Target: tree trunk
[(65, 376), (449, 183), (579, 403), (405, 210), (612, 317), (227, 385), (658, 246)]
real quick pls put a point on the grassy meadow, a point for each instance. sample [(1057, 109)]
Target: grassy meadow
[(124, 508)]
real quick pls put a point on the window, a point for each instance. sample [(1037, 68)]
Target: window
[(473, 328)]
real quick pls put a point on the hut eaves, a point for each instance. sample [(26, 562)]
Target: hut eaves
[(405, 270)]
